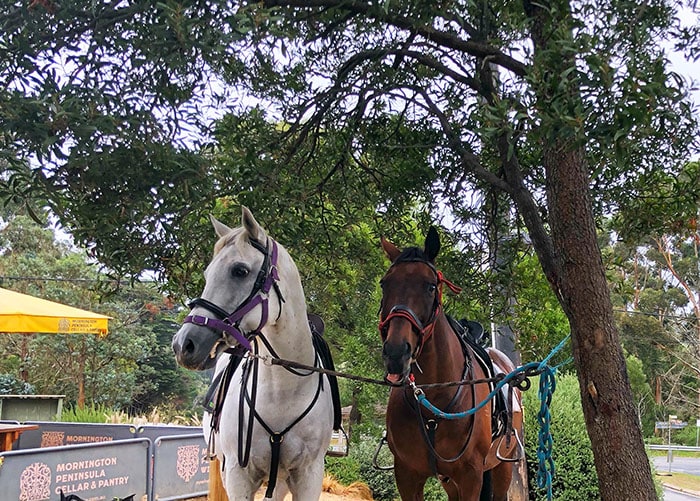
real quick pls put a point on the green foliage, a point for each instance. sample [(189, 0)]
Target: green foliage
[(537, 316), (688, 435), (575, 476), (358, 465), (10, 385), (131, 368), (641, 393), (91, 413)]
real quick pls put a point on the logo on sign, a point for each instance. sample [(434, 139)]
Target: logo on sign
[(35, 483), (52, 438), (187, 461)]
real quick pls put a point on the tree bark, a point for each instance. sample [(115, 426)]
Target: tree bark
[(611, 416), (577, 274)]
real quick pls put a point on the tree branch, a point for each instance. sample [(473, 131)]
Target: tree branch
[(444, 39)]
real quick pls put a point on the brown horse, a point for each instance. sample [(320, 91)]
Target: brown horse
[(421, 346)]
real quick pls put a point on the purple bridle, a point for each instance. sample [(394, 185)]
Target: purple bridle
[(267, 278)]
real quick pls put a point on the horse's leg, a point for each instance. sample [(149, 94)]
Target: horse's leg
[(409, 483), (468, 483), (238, 483), (501, 477), (451, 489), (306, 484)]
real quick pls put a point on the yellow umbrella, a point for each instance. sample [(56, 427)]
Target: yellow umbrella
[(21, 313)]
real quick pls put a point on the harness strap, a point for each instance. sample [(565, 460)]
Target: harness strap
[(429, 427), (267, 279), (244, 451), (276, 438), (276, 445)]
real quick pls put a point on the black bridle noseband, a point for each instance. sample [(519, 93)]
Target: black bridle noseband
[(229, 323)]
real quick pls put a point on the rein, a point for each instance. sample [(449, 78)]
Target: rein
[(250, 398), (229, 323)]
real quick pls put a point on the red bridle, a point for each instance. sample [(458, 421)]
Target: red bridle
[(402, 311)]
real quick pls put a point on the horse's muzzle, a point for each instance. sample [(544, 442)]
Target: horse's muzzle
[(397, 361), (196, 347)]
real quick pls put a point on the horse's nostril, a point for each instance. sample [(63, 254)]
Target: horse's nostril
[(188, 347)]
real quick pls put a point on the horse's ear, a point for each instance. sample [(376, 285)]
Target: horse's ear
[(255, 231), (220, 228), (432, 244), (391, 251)]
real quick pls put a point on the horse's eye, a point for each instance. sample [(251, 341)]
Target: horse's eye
[(431, 288), (239, 271)]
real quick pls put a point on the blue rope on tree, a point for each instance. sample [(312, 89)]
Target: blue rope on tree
[(545, 463), (547, 386)]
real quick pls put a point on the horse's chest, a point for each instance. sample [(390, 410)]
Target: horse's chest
[(412, 432), (303, 419)]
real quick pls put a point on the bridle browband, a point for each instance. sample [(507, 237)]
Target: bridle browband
[(229, 323), (424, 331)]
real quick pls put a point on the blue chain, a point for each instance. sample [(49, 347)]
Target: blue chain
[(547, 386)]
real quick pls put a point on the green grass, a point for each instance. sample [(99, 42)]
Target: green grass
[(680, 481)]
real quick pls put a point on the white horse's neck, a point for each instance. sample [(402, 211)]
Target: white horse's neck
[(288, 330)]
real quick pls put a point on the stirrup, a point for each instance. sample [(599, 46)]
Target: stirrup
[(520, 448), (375, 459)]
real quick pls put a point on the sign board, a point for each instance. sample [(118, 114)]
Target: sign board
[(155, 431), (54, 434), (102, 471), (674, 425), (180, 467)]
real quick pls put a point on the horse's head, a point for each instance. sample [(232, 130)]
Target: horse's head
[(410, 303), (234, 302)]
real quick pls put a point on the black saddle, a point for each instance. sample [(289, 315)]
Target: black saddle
[(471, 335)]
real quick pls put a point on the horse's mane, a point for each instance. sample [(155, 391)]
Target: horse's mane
[(412, 254)]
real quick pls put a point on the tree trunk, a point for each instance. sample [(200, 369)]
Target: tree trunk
[(577, 274), (81, 378), (611, 417)]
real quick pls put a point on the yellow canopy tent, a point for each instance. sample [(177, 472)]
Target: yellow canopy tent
[(24, 314), (20, 313)]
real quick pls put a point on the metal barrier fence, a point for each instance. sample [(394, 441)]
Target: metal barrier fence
[(149, 462), (97, 471), (180, 467)]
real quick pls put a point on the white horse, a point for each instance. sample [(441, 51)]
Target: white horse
[(269, 423)]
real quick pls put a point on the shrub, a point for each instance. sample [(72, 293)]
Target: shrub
[(93, 413), (358, 465), (575, 477), (10, 385)]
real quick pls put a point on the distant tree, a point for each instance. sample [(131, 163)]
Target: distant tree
[(129, 368)]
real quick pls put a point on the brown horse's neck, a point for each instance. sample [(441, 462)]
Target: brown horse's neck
[(441, 359)]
